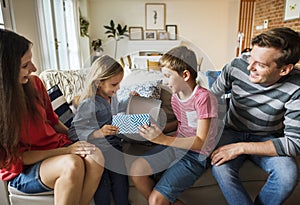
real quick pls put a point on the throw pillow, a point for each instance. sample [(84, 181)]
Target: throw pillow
[(60, 105)]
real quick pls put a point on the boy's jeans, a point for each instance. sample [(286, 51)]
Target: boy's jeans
[(283, 173)]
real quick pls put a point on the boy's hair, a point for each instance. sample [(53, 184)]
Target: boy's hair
[(180, 59), (102, 69), (285, 39)]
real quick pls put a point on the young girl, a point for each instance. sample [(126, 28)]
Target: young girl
[(92, 123), (185, 155), (36, 155)]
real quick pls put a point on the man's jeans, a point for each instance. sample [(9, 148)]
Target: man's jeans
[(283, 173)]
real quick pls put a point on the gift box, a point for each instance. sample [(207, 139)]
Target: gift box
[(140, 111), (129, 123)]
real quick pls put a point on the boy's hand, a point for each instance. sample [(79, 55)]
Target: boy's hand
[(150, 132)]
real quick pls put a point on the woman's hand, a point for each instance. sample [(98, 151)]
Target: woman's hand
[(150, 133), (82, 148)]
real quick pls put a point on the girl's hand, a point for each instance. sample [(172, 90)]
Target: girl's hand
[(104, 131), (134, 93), (109, 130), (82, 148), (149, 133)]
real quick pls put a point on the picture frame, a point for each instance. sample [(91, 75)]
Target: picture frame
[(150, 35), (163, 35), (155, 16), (291, 10), (172, 30), (136, 33)]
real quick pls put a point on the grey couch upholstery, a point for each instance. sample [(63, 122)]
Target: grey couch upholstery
[(205, 191)]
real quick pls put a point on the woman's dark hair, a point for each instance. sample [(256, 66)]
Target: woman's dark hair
[(16, 100), (285, 39)]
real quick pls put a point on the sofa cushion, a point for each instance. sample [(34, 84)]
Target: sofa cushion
[(60, 105), (165, 96), (70, 82)]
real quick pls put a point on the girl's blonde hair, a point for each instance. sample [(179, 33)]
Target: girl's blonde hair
[(102, 69)]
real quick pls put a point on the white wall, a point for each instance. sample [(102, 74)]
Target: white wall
[(210, 25), (26, 21)]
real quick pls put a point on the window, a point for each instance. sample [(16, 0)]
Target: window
[(245, 24), (1, 18), (6, 15), (58, 25)]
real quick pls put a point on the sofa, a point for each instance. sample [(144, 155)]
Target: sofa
[(205, 191)]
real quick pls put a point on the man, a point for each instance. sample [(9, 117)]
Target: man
[(263, 119)]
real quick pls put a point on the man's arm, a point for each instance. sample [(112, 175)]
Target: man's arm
[(231, 151)]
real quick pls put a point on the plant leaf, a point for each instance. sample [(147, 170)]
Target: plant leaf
[(112, 24)]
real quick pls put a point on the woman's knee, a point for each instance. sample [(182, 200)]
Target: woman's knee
[(73, 163), (96, 158), (72, 167)]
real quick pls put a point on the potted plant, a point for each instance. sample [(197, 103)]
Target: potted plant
[(84, 26), (117, 32)]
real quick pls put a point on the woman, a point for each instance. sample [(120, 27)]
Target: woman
[(36, 155)]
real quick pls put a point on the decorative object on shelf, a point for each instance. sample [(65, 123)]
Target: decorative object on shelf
[(292, 9), (97, 49), (163, 35), (150, 35), (96, 45), (117, 33), (136, 33), (155, 16), (172, 30), (84, 25)]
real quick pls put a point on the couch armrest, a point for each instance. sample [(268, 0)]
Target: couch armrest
[(4, 193)]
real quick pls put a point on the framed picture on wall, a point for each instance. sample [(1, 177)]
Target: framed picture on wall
[(291, 9), (163, 35), (155, 15), (136, 33), (150, 35), (172, 30)]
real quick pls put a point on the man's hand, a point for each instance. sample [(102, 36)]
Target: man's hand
[(226, 153)]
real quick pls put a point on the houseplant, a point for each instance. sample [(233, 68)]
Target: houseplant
[(84, 25), (117, 32)]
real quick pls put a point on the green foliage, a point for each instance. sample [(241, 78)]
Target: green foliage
[(84, 26), (118, 32)]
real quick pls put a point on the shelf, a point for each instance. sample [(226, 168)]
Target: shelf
[(152, 45)]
